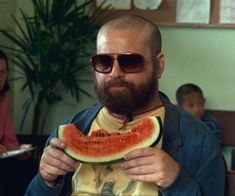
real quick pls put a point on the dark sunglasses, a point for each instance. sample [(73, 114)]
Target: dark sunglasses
[(128, 62)]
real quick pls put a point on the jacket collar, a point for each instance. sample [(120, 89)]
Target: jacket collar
[(171, 129)]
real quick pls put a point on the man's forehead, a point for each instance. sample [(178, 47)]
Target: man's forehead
[(120, 34), (120, 41), (135, 30)]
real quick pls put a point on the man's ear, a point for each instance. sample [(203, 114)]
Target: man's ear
[(161, 64)]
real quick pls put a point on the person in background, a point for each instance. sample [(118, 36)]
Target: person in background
[(14, 170), (127, 68), (190, 97), (8, 140)]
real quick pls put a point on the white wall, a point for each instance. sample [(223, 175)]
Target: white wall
[(202, 56)]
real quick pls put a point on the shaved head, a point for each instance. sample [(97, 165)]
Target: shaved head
[(144, 27)]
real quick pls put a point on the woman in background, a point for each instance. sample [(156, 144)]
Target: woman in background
[(8, 140), (16, 172)]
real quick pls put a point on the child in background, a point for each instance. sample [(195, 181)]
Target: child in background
[(190, 97)]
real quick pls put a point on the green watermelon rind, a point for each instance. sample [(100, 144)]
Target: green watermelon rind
[(111, 159)]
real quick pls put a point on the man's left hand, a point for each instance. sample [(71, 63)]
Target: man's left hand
[(151, 165)]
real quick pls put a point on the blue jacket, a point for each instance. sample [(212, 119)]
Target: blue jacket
[(185, 138)]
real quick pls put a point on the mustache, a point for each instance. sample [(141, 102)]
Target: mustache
[(117, 82)]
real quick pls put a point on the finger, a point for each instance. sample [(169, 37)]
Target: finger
[(52, 169), (58, 158), (57, 143), (141, 170), (140, 153), (144, 178), (50, 173), (137, 162), (52, 162), (150, 178)]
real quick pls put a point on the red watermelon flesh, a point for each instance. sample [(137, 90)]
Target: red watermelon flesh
[(102, 146)]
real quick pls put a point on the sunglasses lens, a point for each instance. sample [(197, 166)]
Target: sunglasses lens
[(102, 63), (131, 63)]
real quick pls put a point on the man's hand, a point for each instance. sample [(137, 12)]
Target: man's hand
[(151, 165), (54, 162)]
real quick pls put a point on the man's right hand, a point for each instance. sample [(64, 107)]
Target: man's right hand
[(54, 162)]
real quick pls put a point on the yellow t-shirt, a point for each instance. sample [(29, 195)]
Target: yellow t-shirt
[(110, 179)]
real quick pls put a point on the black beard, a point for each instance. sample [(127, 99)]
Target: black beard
[(132, 98)]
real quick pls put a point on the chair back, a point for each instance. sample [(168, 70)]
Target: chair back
[(230, 183)]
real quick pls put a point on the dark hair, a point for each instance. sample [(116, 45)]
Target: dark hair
[(6, 86), (186, 89)]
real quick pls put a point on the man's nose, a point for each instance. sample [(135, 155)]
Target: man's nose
[(116, 70)]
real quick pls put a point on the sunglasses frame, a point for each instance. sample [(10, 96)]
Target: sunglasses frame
[(116, 56)]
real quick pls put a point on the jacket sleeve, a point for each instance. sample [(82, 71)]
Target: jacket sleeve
[(201, 161), (38, 187), (209, 181)]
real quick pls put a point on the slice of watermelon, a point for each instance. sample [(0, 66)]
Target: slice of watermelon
[(104, 147)]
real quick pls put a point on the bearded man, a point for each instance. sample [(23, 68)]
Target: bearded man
[(127, 67)]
